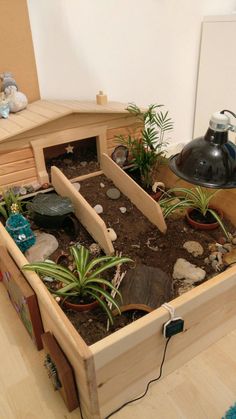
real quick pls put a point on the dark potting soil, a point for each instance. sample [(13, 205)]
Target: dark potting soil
[(195, 215), (81, 161), (138, 239)]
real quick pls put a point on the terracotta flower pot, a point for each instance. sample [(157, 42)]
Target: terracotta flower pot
[(201, 225), (80, 307)]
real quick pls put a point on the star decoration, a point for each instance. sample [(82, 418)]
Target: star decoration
[(69, 149)]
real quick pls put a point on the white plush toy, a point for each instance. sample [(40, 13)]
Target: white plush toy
[(17, 100)]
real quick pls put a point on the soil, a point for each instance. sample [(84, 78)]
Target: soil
[(138, 239)]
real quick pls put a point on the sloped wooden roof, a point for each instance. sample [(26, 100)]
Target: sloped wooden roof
[(43, 111)]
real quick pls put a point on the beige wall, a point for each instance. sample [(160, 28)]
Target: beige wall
[(16, 51)]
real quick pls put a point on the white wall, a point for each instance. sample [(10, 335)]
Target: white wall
[(135, 50)]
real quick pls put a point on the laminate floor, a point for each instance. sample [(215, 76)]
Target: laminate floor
[(203, 388)]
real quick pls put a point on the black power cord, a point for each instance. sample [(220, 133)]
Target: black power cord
[(148, 384)]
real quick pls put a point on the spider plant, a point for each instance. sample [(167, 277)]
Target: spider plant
[(85, 279), (196, 198), (148, 148)]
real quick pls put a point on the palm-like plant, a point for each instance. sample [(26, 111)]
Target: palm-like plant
[(85, 279), (196, 198), (148, 148)]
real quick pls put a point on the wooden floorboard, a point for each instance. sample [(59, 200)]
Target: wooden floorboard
[(203, 388)]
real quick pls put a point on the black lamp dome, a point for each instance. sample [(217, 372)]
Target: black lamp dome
[(209, 161)]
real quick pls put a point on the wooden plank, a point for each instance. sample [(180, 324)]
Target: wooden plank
[(23, 174), (72, 121), (129, 130), (40, 109), (134, 192), (22, 296), (16, 155), (209, 313), (54, 320), (23, 182), (83, 211), (16, 166), (22, 122)]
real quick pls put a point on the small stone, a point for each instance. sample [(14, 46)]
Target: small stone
[(123, 210), (187, 271), (222, 240), (45, 186), (112, 234), (98, 208), (206, 261), (83, 163), (23, 191), (113, 193), (230, 258), (36, 186), (212, 247), (16, 190), (90, 320), (67, 161), (94, 249), (222, 250), (215, 265), (76, 185), (29, 188), (58, 299), (194, 248), (102, 185), (233, 240), (185, 287), (213, 256), (228, 247)]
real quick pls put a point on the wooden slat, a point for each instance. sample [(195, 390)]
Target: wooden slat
[(131, 129), (22, 175), (40, 109), (14, 156), (135, 193), (21, 121), (16, 166), (34, 117), (84, 212), (10, 126), (209, 312)]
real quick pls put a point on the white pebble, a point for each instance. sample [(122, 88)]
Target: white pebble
[(98, 208), (76, 185), (102, 185), (123, 210), (112, 234)]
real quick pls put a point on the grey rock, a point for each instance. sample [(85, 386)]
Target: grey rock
[(45, 245), (83, 163), (185, 287), (194, 248), (228, 247), (187, 271), (98, 208), (113, 193), (123, 210), (23, 191)]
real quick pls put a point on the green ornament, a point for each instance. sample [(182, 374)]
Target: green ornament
[(19, 229)]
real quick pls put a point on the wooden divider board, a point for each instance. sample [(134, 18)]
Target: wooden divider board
[(17, 53), (134, 192), (83, 211)]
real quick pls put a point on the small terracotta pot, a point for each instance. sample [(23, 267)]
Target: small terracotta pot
[(80, 307), (203, 226)]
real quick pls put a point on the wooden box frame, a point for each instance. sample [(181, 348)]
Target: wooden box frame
[(22, 297), (117, 368)]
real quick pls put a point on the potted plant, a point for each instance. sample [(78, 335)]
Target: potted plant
[(200, 214), (83, 286), (147, 149)]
